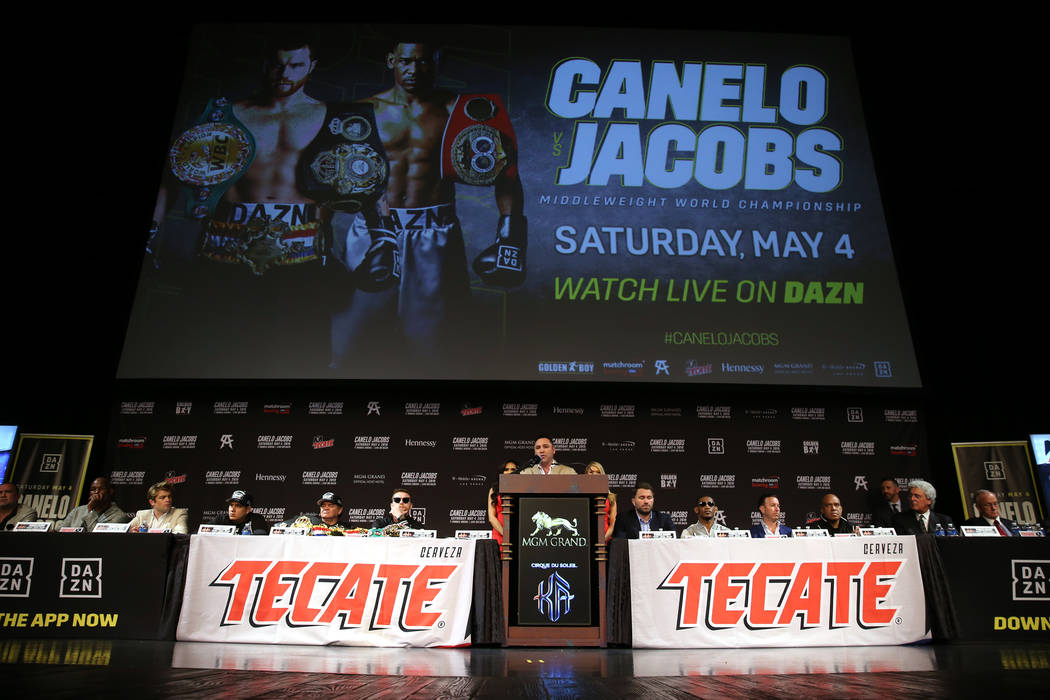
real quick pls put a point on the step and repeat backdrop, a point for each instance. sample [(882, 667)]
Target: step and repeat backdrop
[(288, 446), (479, 202)]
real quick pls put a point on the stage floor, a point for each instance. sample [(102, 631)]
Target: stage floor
[(97, 668)]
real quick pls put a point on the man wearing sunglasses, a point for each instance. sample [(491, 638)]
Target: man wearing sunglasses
[(706, 526), (400, 507)]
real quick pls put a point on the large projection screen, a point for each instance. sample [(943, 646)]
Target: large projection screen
[(366, 201)]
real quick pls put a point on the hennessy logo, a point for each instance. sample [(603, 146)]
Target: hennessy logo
[(741, 592), (285, 591)]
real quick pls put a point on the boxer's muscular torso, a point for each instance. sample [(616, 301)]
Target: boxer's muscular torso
[(281, 132), (411, 129)]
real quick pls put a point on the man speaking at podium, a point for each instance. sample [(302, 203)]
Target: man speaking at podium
[(544, 461)]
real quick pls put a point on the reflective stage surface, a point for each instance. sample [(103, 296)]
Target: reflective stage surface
[(96, 668)]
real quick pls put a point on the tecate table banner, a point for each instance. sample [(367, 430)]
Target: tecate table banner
[(381, 592), (776, 593)]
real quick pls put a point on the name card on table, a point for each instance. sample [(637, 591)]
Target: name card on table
[(809, 532), (473, 534), (30, 526), (979, 531), (286, 530), (112, 527), (734, 533), (217, 530), (418, 533), (877, 532), (656, 535)]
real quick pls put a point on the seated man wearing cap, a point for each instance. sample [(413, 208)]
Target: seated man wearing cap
[(239, 514), (326, 521), (162, 514), (400, 507)]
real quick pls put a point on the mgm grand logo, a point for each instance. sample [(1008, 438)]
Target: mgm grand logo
[(549, 532)]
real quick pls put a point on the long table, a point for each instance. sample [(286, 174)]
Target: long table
[(1000, 586), (112, 586), (109, 586)]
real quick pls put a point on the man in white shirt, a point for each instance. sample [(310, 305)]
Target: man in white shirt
[(161, 515), (544, 450), (705, 526)]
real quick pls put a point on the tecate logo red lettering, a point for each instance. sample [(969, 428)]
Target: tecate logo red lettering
[(738, 593), (285, 592)]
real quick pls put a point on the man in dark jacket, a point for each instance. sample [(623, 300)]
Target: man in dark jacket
[(399, 513), (643, 518), (921, 520), (988, 505)]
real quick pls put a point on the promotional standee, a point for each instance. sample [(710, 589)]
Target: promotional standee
[(1005, 468), (684, 207), (49, 470)]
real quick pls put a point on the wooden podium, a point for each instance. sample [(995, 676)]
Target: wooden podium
[(576, 491)]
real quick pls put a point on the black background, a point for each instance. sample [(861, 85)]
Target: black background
[(951, 106)]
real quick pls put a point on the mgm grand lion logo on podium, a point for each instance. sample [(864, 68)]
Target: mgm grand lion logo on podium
[(549, 532)]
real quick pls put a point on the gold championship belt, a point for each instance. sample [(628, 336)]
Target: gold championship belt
[(344, 167), (478, 144), (264, 242), (209, 157)]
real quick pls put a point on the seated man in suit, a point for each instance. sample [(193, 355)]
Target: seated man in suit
[(161, 515), (769, 507), (643, 518), (988, 505), (895, 502), (544, 449), (921, 520), (11, 511)]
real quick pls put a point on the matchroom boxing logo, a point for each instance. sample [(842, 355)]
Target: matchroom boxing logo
[(796, 587)]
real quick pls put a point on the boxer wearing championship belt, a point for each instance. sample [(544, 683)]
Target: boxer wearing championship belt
[(255, 307), (210, 156), (478, 148), (344, 167), (409, 255)]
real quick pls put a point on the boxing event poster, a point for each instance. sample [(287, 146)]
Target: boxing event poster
[(49, 470), (519, 203), (1005, 469)]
